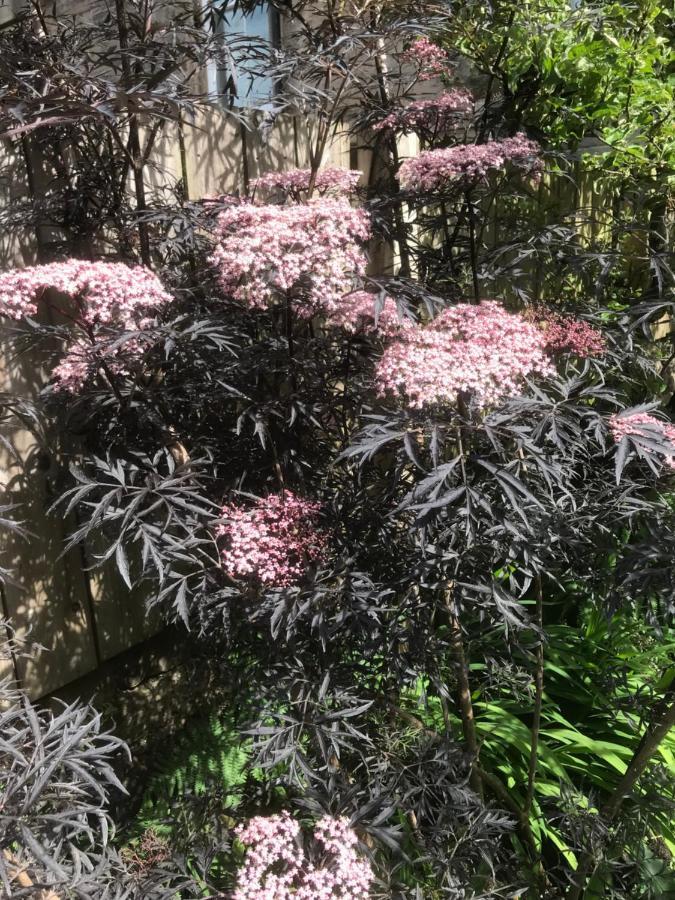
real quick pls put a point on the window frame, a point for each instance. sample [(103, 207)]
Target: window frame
[(215, 73)]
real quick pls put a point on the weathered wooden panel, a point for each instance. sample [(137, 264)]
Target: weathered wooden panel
[(213, 148), (49, 603)]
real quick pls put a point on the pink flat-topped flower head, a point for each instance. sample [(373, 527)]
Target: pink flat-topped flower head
[(312, 253), (277, 868), (103, 294), (432, 169), (565, 334), (644, 425), (107, 293), (296, 182), (274, 541), (435, 115), (430, 59), (362, 312), (481, 351)]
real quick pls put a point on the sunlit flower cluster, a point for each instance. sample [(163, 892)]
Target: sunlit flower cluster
[(469, 162), (565, 334), (482, 352), (430, 59), (434, 114), (311, 253), (364, 312), (296, 182), (277, 868), (645, 426), (100, 294), (274, 540), (105, 293)]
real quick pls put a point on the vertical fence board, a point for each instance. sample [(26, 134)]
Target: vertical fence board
[(49, 603)]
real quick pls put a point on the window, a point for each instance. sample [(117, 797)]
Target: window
[(246, 82)]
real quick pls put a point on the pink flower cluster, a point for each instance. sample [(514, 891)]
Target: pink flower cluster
[(106, 292), (644, 425), (312, 253), (276, 867), (482, 351), (470, 162), (565, 334), (356, 314), (75, 368), (295, 182), (435, 114), (431, 59), (274, 541)]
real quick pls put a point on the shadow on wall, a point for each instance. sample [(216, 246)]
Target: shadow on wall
[(79, 619), (47, 600), (222, 155)]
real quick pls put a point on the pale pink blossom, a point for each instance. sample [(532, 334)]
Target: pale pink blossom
[(434, 114), (272, 541), (357, 314), (295, 182), (432, 169), (74, 369), (99, 295), (105, 293), (481, 351), (277, 868), (311, 253), (430, 59), (644, 425)]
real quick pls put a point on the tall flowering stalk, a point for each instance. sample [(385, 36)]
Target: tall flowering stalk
[(295, 183), (101, 295), (105, 293), (430, 60), (431, 116)]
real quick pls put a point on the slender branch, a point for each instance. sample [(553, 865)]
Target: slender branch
[(494, 69), (134, 143), (33, 193), (324, 132), (464, 691), (401, 237), (288, 317), (501, 793), (37, 9)]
